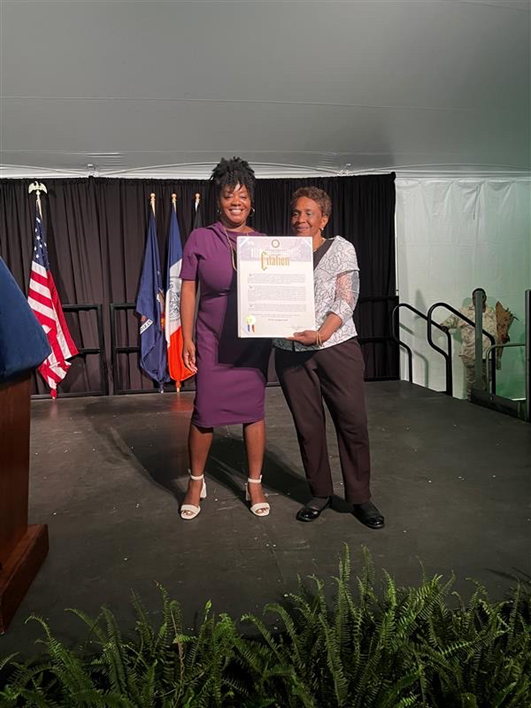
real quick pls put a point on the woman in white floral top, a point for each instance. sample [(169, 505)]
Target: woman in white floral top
[(327, 365)]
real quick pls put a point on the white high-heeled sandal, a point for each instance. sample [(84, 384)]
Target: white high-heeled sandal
[(260, 508), (190, 511)]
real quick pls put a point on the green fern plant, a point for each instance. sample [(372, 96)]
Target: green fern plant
[(374, 646)]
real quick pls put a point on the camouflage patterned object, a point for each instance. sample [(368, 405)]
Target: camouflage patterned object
[(504, 320)]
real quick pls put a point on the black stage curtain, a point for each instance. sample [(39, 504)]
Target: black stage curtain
[(96, 229)]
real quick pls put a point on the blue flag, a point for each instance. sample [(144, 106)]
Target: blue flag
[(174, 336), (150, 306)]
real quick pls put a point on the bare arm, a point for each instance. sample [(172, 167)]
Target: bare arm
[(188, 297), (187, 308)]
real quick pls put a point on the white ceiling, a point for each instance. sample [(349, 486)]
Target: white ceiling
[(139, 87)]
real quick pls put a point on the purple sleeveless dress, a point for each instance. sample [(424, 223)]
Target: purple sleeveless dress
[(231, 372)]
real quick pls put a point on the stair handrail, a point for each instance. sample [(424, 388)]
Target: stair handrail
[(470, 322), (394, 333)]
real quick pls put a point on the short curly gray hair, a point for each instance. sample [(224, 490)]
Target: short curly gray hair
[(318, 195)]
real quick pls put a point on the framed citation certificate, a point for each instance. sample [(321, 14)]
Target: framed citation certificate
[(275, 285)]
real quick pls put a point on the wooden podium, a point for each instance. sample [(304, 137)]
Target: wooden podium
[(23, 548)]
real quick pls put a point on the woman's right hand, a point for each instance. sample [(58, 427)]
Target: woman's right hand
[(189, 355)]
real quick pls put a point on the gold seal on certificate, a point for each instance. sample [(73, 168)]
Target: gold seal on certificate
[(275, 285)]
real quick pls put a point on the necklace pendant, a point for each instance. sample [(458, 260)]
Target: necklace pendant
[(231, 249)]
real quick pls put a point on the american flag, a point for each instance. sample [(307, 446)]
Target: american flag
[(44, 301)]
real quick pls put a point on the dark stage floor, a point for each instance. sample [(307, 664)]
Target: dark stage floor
[(108, 474)]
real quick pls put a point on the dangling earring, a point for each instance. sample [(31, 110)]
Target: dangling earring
[(252, 212)]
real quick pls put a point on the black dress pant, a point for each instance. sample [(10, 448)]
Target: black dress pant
[(335, 375)]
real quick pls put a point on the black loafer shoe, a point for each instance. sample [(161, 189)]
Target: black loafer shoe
[(308, 514), (369, 515)]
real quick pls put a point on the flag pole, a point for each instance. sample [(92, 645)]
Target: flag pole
[(152, 198), (174, 206), (44, 301), (38, 187)]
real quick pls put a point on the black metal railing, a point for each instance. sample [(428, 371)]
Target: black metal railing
[(118, 389), (83, 352), (115, 350), (428, 318), (395, 325), (386, 339), (470, 322)]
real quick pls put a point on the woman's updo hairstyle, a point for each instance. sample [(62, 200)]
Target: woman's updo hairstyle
[(229, 173)]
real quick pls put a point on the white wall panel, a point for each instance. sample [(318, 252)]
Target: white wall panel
[(454, 235)]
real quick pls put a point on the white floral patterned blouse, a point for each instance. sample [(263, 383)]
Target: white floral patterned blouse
[(336, 285)]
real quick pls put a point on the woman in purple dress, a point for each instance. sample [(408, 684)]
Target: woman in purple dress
[(231, 373)]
